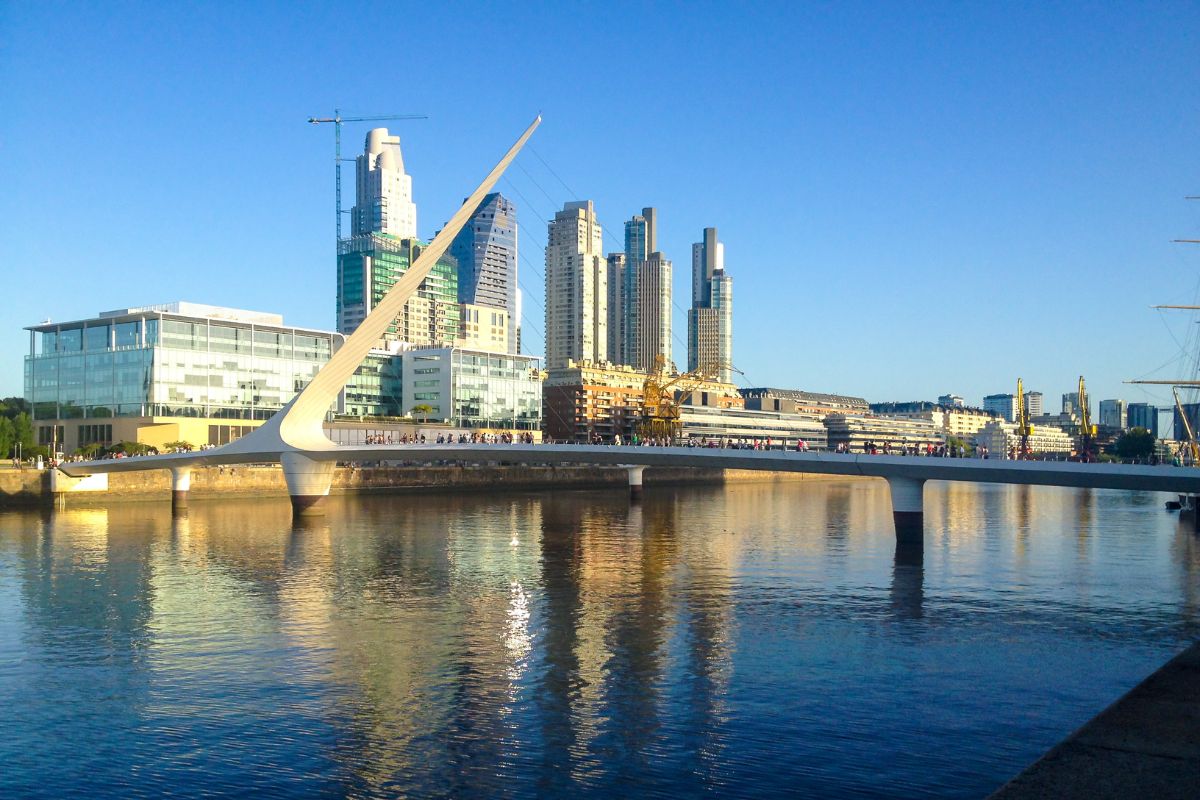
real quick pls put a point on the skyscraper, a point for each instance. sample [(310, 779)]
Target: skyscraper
[(710, 319), (383, 192), (616, 308), (383, 245), (1112, 413), (646, 306), (486, 250), (1143, 415), (576, 288)]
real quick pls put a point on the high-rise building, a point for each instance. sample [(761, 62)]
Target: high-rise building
[(383, 192), (382, 246), (1002, 405), (1070, 403), (646, 310), (576, 288), (616, 308), (951, 401), (1033, 403), (710, 319), (1143, 415), (486, 251), (1112, 413)]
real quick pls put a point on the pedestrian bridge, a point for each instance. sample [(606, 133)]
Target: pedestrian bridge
[(294, 437), (309, 473)]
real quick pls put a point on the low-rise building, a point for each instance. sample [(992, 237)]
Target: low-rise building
[(856, 431), (794, 401), (724, 424), (1002, 441), (583, 400)]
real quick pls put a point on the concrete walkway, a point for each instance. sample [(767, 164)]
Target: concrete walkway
[(1147, 744)]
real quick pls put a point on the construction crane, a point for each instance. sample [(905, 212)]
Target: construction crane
[(337, 119), (1024, 429), (1087, 431), (660, 408)]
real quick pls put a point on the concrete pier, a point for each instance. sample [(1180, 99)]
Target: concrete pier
[(1147, 744), (308, 482), (635, 482), (908, 509), (181, 483)]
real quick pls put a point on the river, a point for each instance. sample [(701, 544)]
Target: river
[(752, 640)]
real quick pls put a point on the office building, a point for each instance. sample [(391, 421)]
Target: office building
[(1143, 415), (1112, 414), (576, 288), (646, 307), (1192, 412), (163, 373), (486, 252), (1002, 405), (710, 319), (473, 390), (795, 401), (951, 401), (716, 425), (856, 431), (1033, 404), (370, 264)]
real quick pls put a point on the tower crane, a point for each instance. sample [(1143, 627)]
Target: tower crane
[(660, 408), (337, 119), (1024, 429)]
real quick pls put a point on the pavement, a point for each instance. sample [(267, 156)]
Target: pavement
[(1145, 745)]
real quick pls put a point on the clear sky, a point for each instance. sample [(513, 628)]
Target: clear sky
[(915, 198)]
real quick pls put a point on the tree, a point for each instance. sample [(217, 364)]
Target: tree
[(7, 437), (1135, 443), (11, 406), (179, 446), (23, 432), (422, 410), (134, 449)]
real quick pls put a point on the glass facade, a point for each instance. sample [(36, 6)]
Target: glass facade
[(169, 366), (495, 391)]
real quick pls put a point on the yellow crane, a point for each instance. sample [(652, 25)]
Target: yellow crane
[(1087, 431), (660, 408), (1024, 429), (1187, 427)]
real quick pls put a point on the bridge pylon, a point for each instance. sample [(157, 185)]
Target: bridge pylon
[(308, 482), (181, 483)]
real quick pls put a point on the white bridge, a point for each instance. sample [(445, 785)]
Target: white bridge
[(294, 437)]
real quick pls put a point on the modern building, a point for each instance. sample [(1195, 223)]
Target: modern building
[(473, 390), (951, 401), (646, 296), (582, 401), (1192, 412), (712, 424), (576, 288), (383, 192), (1002, 440), (484, 328), (795, 401), (1112, 414), (486, 252), (616, 308), (369, 265), (163, 373), (1002, 405), (1034, 404), (958, 422), (857, 431), (710, 319), (1143, 415)]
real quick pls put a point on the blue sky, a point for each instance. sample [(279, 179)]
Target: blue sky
[(915, 198)]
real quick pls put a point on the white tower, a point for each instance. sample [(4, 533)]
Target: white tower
[(576, 288), (383, 193)]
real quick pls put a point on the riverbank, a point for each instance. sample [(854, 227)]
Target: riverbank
[(23, 488), (1147, 744)]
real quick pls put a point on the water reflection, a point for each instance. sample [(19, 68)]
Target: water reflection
[(731, 640)]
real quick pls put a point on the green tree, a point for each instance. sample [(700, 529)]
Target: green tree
[(1135, 443), (23, 432), (134, 449), (179, 446), (12, 406), (422, 410), (7, 437), (92, 450)]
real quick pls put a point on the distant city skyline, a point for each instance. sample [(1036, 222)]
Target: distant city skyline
[(890, 223)]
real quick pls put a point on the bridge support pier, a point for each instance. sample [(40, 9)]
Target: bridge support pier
[(308, 482), (908, 509), (181, 483), (635, 482)]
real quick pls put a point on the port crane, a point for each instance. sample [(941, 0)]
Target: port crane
[(1087, 431), (337, 119), (660, 406), (1024, 429)]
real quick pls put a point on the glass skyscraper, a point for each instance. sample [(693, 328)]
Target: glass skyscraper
[(486, 251), (710, 319)]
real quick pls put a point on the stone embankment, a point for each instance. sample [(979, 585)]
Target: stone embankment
[(32, 487)]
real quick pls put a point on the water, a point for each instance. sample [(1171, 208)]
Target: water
[(755, 640)]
